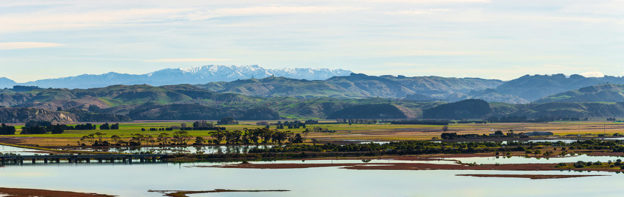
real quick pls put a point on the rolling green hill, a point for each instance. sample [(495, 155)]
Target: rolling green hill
[(534, 87), (356, 86), (599, 93), (179, 102), (144, 102)]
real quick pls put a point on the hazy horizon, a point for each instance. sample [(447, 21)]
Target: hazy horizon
[(191, 67), (452, 38)]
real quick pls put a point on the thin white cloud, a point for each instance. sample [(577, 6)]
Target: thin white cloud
[(37, 21), (268, 10), (418, 12), (188, 60), (431, 1), (433, 53), (61, 21), (26, 45)]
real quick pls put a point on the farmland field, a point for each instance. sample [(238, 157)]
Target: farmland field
[(343, 132)]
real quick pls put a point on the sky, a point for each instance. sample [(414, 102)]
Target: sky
[(455, 38)]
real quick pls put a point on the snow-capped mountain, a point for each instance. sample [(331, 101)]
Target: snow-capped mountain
[(194, 75)]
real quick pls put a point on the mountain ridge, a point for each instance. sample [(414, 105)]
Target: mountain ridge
[(314, 82), (174, 76), (534, 87), (356, 86), (180, 102)]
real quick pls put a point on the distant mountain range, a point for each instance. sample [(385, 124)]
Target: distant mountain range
[(189, 102), (526, 89), (534, 87), (256, 93), (359, 86), (196, 75), (256, 81)]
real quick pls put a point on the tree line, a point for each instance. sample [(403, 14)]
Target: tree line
[(182, 138), (44, 127), (7, 130), (428, 147)]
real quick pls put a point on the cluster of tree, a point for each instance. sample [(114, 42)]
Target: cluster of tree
[(200, 125), (403, 147), (290, 125), (182, 138), (21, 88), (97, 139), (311, 121), (428, 147), (583, 164), (227, 121), (136, 139), (157, 129), (357, 121), (7, 130), (87, 126), (256, 136), (107, 126), (496, 134), (42, 127), (319, 129)]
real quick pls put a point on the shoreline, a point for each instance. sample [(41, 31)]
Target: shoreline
[(28, 192), (183, 193), (412, 166)]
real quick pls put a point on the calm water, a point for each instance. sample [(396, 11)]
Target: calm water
[(136, 179), (19, 151)]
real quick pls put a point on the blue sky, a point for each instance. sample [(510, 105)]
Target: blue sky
[(460, 38)]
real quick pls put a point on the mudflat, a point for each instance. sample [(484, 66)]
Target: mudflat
[(529, 176), (25, 192), (413, 166)]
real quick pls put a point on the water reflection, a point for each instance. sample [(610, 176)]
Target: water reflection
[(10, 150)]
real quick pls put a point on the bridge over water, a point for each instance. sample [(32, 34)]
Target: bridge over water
[(83, 158)]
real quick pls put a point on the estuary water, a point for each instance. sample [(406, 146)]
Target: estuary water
[(136, 179), (10, 150)]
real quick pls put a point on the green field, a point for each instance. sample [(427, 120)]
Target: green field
[(379, 132)]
